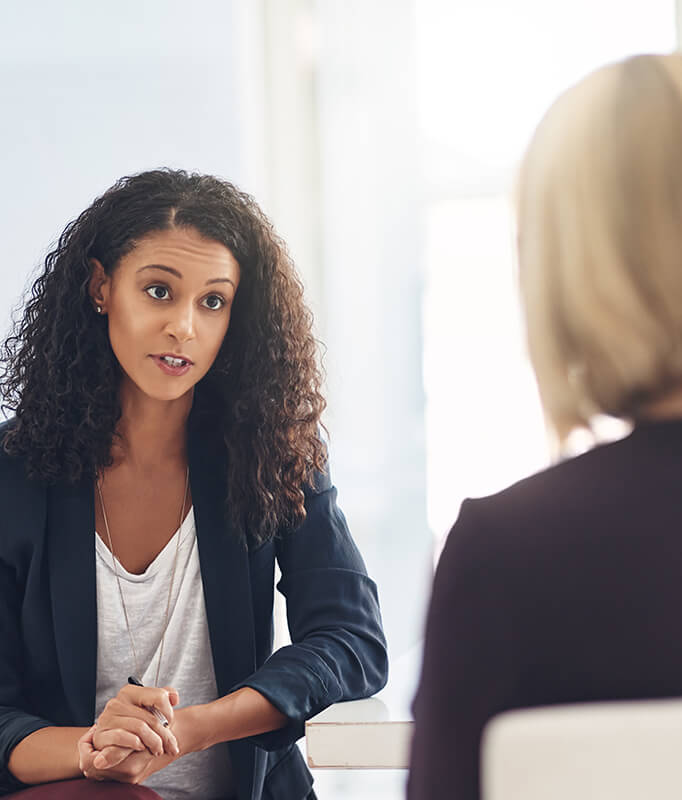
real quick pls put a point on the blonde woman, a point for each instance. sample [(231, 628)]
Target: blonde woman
[(568, 585)]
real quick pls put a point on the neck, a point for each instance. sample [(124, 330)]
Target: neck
[(151, 432)]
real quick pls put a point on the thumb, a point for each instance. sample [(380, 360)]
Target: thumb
[(87, 736), (173, 695)]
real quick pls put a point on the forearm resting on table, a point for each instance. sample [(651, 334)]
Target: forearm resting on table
[(51, 754), (48, 754), (237, 715)]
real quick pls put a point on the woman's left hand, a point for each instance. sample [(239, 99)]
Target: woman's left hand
[(116, 762), (127, 744), (131, 711)]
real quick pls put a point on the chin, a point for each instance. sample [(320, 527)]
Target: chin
[(156, 390), (168, 394)]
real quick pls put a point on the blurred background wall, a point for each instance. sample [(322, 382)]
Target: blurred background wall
[(381, 137)]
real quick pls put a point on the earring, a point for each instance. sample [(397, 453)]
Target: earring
[(99, 309)]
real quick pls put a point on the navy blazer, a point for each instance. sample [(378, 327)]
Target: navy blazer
[(48, 615)]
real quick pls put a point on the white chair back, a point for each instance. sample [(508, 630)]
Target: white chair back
[(593, 751)]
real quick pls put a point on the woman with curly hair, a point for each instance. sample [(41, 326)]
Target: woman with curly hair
[(163, 451)]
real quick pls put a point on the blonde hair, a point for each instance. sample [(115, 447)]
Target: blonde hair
[(599, 215)]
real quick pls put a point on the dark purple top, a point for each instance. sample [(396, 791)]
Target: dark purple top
[(565, 587)]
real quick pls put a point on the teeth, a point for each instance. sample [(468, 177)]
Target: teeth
[(173, 362)]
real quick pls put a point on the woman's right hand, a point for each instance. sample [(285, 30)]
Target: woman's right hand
[(127, 718), (123, 764)]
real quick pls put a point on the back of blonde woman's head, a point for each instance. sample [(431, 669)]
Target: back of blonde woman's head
[(600, 243)]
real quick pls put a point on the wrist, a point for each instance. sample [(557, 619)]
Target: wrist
[(244, 712), (192, 728)]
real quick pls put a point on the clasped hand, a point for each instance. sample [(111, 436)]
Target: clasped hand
[(128, 743)]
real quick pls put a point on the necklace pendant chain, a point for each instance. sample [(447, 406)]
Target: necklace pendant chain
[(114, 561)]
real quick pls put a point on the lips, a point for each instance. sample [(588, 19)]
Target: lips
[(174, 358), (171, 364)]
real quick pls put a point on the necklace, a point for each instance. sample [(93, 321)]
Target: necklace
[(120, 588)]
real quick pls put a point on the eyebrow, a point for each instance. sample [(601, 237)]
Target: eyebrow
[(178, 274)]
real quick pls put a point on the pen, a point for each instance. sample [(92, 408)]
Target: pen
[(155, 711)]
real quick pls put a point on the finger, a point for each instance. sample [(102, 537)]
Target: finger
[(111, 756), (169, 743), (160, 700), (134, 769), (155, 736), (85, 751), (116, 710), (88, 735), (146, 696), (118, 737), (124, 706), (152, 740)]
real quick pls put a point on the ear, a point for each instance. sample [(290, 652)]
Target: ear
[(98, 287)]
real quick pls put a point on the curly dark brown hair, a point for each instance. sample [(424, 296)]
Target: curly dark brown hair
[(60, 377)]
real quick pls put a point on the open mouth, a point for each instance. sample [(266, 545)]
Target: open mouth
[(173, 365), (174, 362)]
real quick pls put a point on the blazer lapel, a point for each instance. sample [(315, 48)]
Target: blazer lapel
[(71, 555), (227, 586), (224, 570)]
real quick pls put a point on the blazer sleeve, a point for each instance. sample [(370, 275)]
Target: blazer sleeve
[(338, 649), (15, 724), (22, 512)]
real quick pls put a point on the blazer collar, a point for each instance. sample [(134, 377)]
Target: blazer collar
[(227, 587), (71, 557), (224, 566)]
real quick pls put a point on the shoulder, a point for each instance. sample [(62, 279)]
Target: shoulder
[(320, 481), (22, 504), (5, 427), (12, 468), (15, 485), (565, 510), (591, 482)]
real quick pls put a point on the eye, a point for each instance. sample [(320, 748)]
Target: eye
[(213, 301), (158, 292)]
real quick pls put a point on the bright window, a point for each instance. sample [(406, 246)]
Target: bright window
[(487, 71)]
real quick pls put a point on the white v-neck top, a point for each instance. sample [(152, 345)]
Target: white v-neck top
[(187, 664)]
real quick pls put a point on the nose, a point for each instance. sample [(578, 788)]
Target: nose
[(180, 324)]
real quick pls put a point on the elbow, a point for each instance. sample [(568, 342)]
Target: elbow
[(382, 671), (376, 665), (376, 668)]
